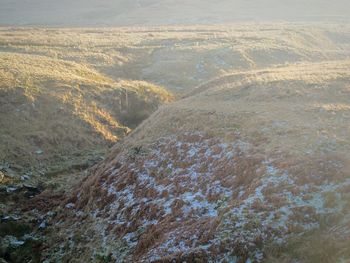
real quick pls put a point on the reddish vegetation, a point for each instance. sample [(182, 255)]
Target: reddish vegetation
[(44, 202), (194, 198)]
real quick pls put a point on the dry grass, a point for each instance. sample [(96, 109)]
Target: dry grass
[(66, 111), (83, 76), (273, 111), (181, 58), (292, 117)]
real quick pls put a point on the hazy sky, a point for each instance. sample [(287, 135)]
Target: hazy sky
[(158, 12)]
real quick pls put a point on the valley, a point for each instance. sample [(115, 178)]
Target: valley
[(221, 143)]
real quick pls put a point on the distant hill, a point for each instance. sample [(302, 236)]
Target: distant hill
[(180, 58), (166, 12)]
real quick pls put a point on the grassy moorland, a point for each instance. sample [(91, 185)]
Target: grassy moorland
[(261, 107), (180, 58), (252, 167), (69, 93)]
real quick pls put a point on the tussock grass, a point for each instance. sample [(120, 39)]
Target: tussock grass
[(281, 99)]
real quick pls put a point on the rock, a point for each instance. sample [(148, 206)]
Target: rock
[(70, 205), (39, 152), (43, 225), (11, 189), (25, 177), (8, 218), (13, 242)]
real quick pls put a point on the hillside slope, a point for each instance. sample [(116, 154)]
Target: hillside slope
[(56, 115), (252, 168), (202, 177)]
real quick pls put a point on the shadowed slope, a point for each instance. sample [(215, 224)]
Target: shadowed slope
[(57, 114)]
